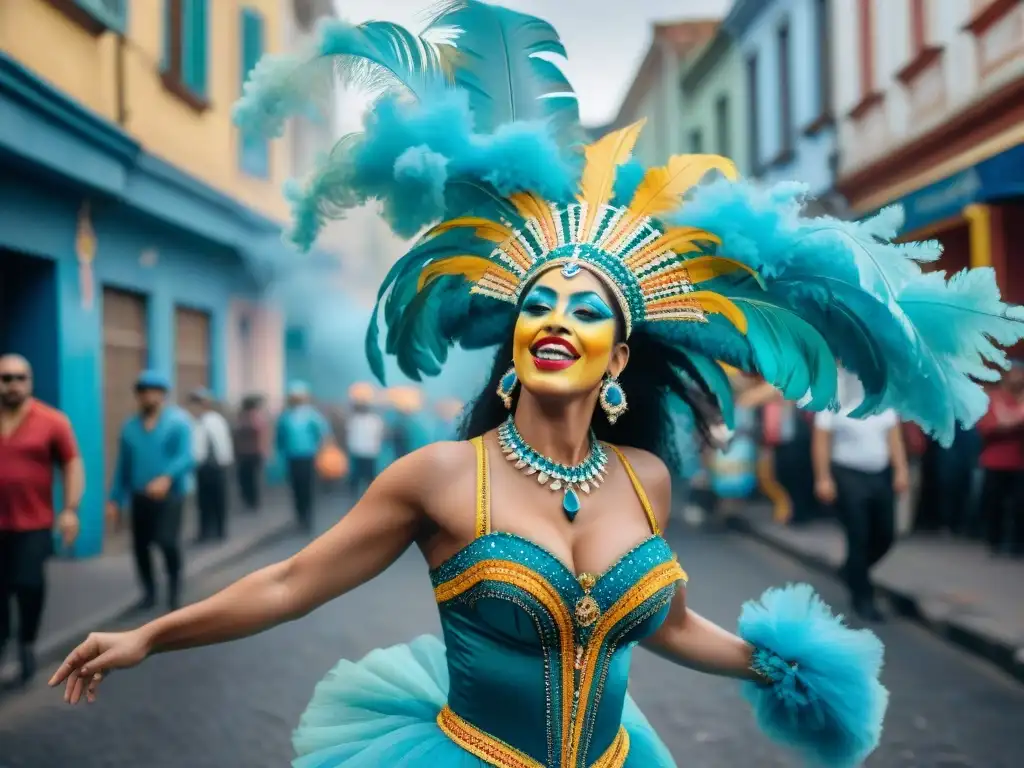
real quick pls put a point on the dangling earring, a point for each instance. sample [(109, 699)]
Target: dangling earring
[(613, 399), (506, 385)]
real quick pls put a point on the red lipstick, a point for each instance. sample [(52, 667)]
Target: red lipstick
[(551, 359)]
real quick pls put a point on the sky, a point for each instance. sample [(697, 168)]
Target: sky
[(606, 39)]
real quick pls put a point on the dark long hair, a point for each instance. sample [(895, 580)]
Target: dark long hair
[(656, 378)]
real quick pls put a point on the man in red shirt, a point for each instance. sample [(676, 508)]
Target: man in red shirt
[(1002, 458), (33, 438)]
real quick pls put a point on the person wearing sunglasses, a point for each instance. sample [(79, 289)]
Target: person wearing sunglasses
[(33, 438)]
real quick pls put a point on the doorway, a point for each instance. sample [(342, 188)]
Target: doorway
[(29, 319)]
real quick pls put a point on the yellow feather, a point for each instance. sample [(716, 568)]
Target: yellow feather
[(530, 206), (603, 158), (485, 228), (470, 267), (662, 188), (677, 239), (707, 267), (716, 303)]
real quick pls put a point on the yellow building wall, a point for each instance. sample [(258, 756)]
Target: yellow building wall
[(205, 144)]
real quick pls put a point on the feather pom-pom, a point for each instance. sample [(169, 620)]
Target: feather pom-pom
[(825, 700)]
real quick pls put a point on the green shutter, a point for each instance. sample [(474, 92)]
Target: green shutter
[(112, 14), (253, 148), (195, 45)]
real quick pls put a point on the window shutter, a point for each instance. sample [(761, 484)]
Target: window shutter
[(253, 148), (195, 45)]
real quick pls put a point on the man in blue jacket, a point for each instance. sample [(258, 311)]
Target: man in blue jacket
[(154, 462), (301, 433)]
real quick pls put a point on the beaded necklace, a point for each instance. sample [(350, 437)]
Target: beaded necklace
[(589, 473)]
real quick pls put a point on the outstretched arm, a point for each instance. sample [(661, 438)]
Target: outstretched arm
[(685, 637), (365, 542)]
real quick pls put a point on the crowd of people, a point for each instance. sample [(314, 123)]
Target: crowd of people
[(879, 477), (171, 458)]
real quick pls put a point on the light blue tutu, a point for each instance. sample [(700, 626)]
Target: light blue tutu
[(382, 710)]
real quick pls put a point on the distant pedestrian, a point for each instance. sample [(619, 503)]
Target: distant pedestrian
[(365, 431), (251, 450), (860, 465), (214, 454), (301, 432), (33, 438), (1002, 458), (155, 459)]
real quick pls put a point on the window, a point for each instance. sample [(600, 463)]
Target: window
[(723, 146), (696, 141), (186, 49), (96, 16), (823, 21), (253, 149), (754, 125), (785, 90), (110, 13)]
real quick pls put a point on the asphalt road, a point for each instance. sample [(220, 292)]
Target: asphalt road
[(235, 705)]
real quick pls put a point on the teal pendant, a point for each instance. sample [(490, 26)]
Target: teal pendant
[(570, 503)]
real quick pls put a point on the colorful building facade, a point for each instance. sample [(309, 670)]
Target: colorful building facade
[(931, 108), (784, 47), (715, 104), (655, 93), (136, 223)]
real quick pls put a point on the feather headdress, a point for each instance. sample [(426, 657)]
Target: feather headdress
[(474, 143)]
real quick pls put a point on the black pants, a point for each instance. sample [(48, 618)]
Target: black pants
[(23, 555), (302, 475), (866, 505), (1001, 498), (250, 472), (157, 522), (212, 499), (362, 472)]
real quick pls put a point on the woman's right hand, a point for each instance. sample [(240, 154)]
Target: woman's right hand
[(86, 666)]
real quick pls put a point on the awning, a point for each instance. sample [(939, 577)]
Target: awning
[(1000, 177)]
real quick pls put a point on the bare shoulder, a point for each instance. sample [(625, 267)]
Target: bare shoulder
[(433, 465), (655, 478)]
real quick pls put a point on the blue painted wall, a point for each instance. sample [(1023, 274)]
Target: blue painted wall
[(189, 271), (755, 25), (54, 154)]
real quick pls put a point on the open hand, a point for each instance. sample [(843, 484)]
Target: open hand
[(86, 666)]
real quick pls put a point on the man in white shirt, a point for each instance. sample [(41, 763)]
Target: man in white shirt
[(860, 465), (214, 454), (364, 433)]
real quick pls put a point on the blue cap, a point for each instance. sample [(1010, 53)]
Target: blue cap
[(152, 380), (298, 389)]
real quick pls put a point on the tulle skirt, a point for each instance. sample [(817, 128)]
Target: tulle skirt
[(381, 712)]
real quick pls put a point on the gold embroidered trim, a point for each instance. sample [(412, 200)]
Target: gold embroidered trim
[(616, 754), (640, 493), (483, 745), (536, 585), (660, 577), (483, 489), (499, 753)]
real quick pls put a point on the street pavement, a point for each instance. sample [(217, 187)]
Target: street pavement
[(235, 705)]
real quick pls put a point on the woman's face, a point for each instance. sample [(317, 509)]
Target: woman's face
[(564, 340)]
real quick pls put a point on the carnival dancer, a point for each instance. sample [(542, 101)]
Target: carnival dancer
[(598, 280)]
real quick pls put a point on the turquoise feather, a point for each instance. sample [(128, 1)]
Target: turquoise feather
[(500, 68), (826, 699)]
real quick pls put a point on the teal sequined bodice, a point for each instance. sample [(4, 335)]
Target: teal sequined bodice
[(538, 657)]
